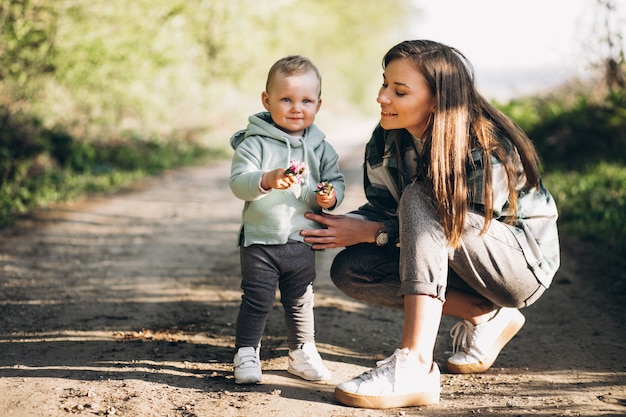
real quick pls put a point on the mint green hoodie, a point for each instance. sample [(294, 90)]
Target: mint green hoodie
[(272, 218)]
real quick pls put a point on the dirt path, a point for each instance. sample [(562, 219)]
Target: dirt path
[(125, 306)]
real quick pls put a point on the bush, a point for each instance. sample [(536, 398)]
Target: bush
[(592, 202), (570, 137), (582, 144), (39, 166)]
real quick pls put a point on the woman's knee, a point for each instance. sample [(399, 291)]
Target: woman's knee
[(416, 197), (341, 271), (519, 299), (356, 265)]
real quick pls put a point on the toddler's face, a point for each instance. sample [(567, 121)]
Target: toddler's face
[(293, 102)]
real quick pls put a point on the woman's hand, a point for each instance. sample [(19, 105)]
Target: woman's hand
[(340, 231)]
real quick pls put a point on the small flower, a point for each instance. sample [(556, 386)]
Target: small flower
[(297, 169), (324, 187)]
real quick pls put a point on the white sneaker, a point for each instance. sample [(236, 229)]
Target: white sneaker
[(247, 366), (475, 348), (306, 363), (395, 382)]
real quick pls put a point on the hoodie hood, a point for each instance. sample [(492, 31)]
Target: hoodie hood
[(261, 124)]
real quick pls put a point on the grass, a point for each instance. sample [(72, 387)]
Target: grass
[(592, 202), (582, 143), (58, 168)]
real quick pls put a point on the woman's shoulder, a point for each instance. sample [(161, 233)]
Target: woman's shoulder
[(380, 135)]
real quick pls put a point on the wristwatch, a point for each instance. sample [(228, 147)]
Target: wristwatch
[(381, 236)]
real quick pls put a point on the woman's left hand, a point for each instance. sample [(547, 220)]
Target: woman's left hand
[(340, 231)]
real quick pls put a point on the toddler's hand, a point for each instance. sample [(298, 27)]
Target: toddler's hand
[(296, 169), (326, 199), (324, 187), (277, 179)]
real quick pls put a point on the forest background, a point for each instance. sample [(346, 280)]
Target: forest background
[(97, 94)]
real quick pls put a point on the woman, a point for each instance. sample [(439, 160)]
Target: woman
[(457, 222)]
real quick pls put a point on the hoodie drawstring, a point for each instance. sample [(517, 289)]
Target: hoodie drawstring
[(304, 185)]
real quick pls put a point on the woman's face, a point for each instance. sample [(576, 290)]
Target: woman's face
[(405, 99)]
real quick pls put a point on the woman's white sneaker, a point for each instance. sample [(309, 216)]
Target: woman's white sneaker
[(306, 363), (475, 348), (247, 366), (395, 382)]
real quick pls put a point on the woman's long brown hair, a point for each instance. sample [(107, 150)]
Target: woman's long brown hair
[(463, 119)]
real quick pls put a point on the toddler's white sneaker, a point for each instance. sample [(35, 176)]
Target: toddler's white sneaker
[(306, 363), (247, 366)]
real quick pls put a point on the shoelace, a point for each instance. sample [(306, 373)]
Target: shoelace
[(464, 335), (383, 367), (461, 333)]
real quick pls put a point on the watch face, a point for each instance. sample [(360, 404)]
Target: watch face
[(381, 239)]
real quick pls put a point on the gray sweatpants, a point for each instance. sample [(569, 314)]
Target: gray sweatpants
[(291, 268), (491, 265)]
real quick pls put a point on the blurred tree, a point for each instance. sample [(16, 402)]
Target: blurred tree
[(119, 62), (27, 36), (102, 67), (242, 38), (610, 49)]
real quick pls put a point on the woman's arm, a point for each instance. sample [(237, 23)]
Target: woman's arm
[(363, 225)]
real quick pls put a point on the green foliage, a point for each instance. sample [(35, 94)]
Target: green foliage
[(121, 63), (582, 143), (592, 202), (346, 39), (39, 166), (570, 137), (104, 66), (27, 36), (96, 93)]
